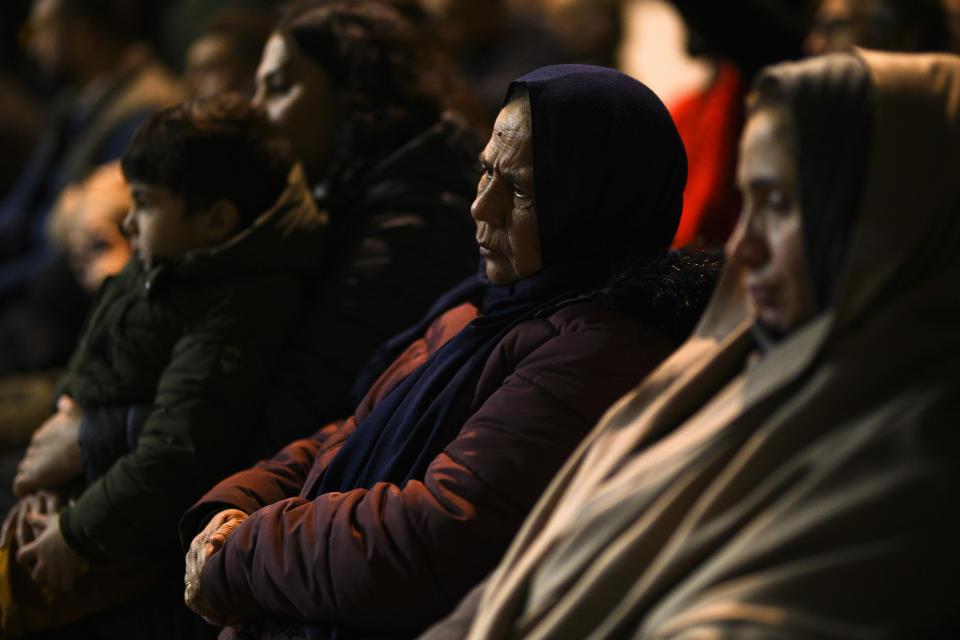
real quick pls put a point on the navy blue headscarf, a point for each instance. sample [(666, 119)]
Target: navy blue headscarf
[(609, 171)]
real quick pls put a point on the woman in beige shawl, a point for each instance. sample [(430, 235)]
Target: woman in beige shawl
[(792, 471)]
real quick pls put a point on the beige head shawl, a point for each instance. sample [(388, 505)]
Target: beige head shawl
[(808, 496)]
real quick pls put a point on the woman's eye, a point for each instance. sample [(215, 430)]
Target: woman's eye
[(97, 244), (485, 173), (520, 194), (277, 85), (777, 200)]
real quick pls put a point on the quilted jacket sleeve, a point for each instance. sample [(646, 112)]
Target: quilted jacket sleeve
[(410, 553), (198, 432), (269, 481)]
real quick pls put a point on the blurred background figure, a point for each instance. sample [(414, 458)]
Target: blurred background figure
[(21, 111), (224, 57), (39, 322), (21, 120), (107, 82), (493, 42), (590, 30), (952, 8), (86, 223), (699, 58), (38, 327), (891, 25)]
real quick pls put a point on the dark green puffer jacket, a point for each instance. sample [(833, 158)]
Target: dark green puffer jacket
[(195, 337)]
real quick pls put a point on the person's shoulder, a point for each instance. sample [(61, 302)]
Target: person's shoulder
[(247, 290), (591, 315), (432, 176), (576, 330)]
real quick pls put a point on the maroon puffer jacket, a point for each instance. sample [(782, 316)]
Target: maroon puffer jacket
[(397, 558)]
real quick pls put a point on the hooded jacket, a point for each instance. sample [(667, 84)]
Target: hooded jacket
[(807, 493), (190, 342)]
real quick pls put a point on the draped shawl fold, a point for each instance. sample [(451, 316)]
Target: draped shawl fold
[(810, 494), (609, 172)]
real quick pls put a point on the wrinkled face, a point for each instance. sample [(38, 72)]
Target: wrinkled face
[(212, 67), (768, 239), (298, 96), (159, 226), (505, 208)]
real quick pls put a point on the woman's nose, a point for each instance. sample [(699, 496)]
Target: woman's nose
[(489, 206), (257, 100), (748, 243)]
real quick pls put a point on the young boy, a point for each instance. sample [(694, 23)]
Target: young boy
[(160, 394)]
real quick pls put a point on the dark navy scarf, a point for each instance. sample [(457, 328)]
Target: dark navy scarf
[(609, 171), (409, 427)]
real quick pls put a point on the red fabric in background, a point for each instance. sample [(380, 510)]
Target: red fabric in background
[(710, 123)]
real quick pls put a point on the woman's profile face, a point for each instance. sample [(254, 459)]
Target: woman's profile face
[(298, 96), (768, 240), (505, 209)]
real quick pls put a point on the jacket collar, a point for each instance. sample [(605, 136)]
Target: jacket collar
[(290, 236)]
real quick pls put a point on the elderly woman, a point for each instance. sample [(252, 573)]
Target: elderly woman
[(375, 115), (381, 521), (791, 471)]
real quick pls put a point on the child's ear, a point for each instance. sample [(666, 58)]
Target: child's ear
[(223, 220)]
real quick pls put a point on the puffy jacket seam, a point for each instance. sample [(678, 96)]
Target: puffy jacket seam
[(430, 568), (332, 591), (571, 408), (507, 499)]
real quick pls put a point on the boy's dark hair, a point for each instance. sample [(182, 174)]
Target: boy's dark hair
[(206, 150)]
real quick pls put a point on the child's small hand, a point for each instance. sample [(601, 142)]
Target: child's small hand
[(53, 457), (51, 562)]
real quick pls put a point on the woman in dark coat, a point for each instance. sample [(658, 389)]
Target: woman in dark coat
[(381, 521), (376, 115), (791, 471)]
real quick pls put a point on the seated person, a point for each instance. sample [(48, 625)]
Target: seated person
[(374, 113), (85, 224), (84, 228), (110, 83), (791, 471), (380, 522), (158, 396), (225, 54)]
